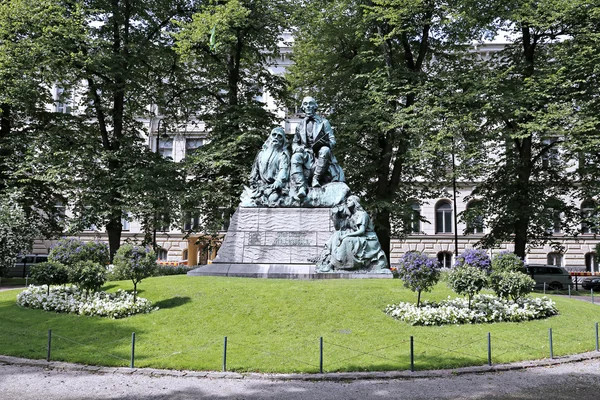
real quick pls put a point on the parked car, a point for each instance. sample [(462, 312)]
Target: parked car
[(555, 278), (22, 264), (593, 282)]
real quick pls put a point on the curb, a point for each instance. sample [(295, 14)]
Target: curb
[(333, 376)]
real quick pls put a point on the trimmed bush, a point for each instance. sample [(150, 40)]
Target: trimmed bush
[(49, 273), (507, 261), (418, 272), (134, 263), (467, 280), (476, 258), (511, 284), (71, 251), (88, 276)]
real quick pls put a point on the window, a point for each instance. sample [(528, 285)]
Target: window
[(192, 144), (445, 259), (61, 211), (162, 254), (555, 259), (163, 222), (443, 217), (588, 216), (184, 254), (550, 155), (191, 221), (591, 262), (415, 218), (475, 222), (165, 147), (64, 101), (125, 222)]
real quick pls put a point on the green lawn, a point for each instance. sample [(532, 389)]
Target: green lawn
[(275, 326)]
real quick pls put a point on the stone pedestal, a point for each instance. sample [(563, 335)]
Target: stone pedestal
[(275, 243)]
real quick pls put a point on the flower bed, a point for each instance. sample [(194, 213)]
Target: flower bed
[(484, 308), (71, 300)]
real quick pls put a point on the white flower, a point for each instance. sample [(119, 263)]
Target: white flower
[(71, 300)]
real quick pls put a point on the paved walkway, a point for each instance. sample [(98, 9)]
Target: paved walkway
[(565, 378)]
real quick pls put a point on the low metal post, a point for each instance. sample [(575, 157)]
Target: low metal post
[(544, 287), (597, 337), (321, 354), (225, 354), (131, 365), (49, 344), (550, 338), (569, 290), (489, 349), (592, 291), (412, 354)]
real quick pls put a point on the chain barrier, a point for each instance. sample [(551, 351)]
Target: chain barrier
[(270, 353), (453, 350)]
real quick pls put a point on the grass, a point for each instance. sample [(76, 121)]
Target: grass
[(275, 326)]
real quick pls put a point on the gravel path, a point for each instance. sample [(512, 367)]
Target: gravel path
[(22, 379)]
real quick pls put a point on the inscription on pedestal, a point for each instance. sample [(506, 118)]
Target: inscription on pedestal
[(291, 239)]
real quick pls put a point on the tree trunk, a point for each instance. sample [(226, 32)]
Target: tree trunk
[(113, 229), (383, 230)]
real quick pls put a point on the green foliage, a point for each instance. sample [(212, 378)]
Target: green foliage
[(88, 275), (165, 270), (511, 284), (70, 251), (395, 109), (17, 232), (507, 261), (467, 281), (49, 273), (224, 87), (134, 263)]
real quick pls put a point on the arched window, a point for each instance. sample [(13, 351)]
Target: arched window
[(184, 254), (555, 258), (475, 221), (445, 259), (591, 262), (588, 215), (443, 217), (415, 217)]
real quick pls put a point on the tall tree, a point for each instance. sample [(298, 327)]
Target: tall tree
[(525, 195), (115, 58), (379, 67), (230, 46)]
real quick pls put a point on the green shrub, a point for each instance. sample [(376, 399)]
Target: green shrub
[(511, 284), (467, 281), (89, 276), (49, 273), (71, 251), (163, 270), (507, 261), (134, 263)]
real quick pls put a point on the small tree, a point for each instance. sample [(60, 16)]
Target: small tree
[(134, 263), (49, 273), (507, 261), (418, 272), (476, 258), (467, 280), (88, 276), (511, 284), (17, 232), (71, 251)]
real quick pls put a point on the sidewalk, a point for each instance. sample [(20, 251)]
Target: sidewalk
[(332, 376)]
